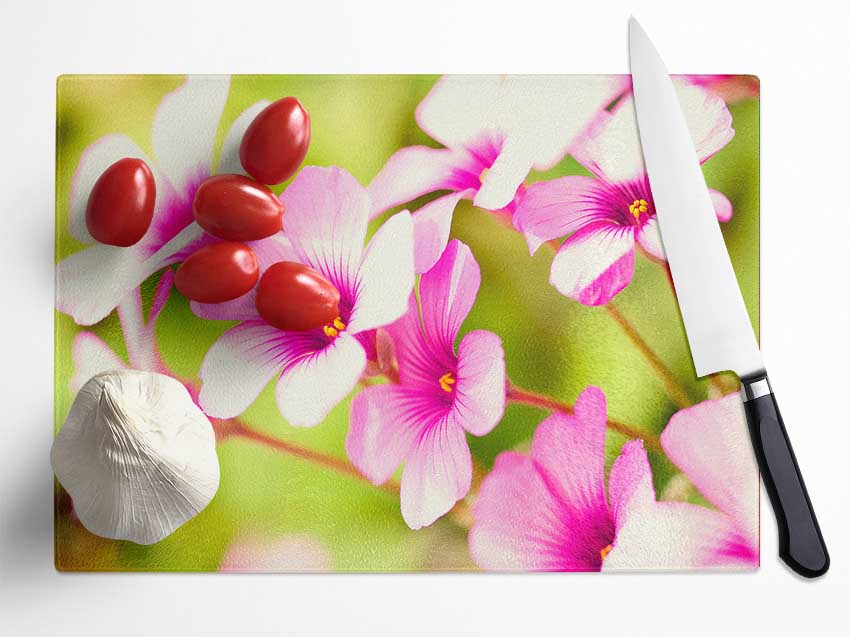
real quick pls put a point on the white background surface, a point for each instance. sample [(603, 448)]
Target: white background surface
[(801, 55)]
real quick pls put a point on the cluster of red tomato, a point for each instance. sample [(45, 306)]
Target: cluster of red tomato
[(233, 209)]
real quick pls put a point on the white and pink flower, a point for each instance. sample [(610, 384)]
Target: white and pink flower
[(709, 442), (606, 215), (494, 130), (92, 282), (327, 213), (441, 395), (549, 511)]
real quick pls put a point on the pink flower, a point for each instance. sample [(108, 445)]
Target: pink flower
[(605, 215), (549, 511), (92, 282), (290, 553), (441, 395), (732, 88), (709, 442), (327, 212), (494, 130)]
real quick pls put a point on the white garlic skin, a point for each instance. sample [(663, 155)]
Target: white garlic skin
[(136, 455)]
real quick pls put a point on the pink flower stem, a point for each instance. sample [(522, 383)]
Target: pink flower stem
[(674, 389), (716, 380), (525, 397), (235, 428)]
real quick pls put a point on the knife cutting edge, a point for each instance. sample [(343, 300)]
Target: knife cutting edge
[(716, 321)]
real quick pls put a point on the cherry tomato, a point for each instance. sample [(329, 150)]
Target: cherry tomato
[(276, 142), (237, 208), (121, 203), (294, 297), (219, 272)]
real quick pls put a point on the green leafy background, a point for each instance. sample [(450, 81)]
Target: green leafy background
[(552, 344)]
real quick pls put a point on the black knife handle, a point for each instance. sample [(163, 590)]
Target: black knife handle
[(801, 544)]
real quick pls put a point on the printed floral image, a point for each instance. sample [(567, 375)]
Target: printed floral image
[(504, 383)]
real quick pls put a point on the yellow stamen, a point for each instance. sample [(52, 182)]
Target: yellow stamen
[(333, 328), (483, 175), (446, 382), (604, 552), (638, 207)]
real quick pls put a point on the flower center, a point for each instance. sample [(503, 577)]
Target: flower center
[(333, 328), (483, 175), (604, 552), (446, 381), (638, 207)]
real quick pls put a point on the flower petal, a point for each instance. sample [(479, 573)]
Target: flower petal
[(722, 205), (327, 212), (410, 173), (95, 159), (654, 534), (432, 224), (710, 444), (185, 126), (229, 162), (385, 422), (91, 356), (268, 251), (87, 295), (447, 292), (238, 366), (385, 277), (480, 389), (312, 385), (594, 264), (552, 209), (436, 475), (537, 119), (649, 237), (569, 451), (520, 524), (611, 147)]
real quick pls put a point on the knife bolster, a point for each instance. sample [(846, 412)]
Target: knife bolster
[(754, 387)]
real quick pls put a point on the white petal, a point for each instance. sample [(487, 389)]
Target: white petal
[(185, 126), (229, 161)]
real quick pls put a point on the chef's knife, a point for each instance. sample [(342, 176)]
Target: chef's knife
[(719, 331)]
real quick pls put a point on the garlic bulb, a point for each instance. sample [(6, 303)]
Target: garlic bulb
[(136, 455)]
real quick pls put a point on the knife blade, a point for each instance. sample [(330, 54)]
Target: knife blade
[(717, 325)]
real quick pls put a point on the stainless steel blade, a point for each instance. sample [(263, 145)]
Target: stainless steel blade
[(716, 320)]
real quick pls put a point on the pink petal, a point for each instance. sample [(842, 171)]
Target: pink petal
[(327, 212), (708, 118), (447, 293), (722, 205), (594, 264), (228, 161), (421, 362), (432, 224), (710, 444), (436, 475), (91, 356), (92, 282), (95, 159), (160, 296), (653, 535), (649, 237), (385, 277), (480, 389), (385, 422), (268, 251), (505, 175), (311, 385), (290, 553), (569, 451), (185, 127), (238, 366), (556, 208), (520, 524), (410, 173)]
